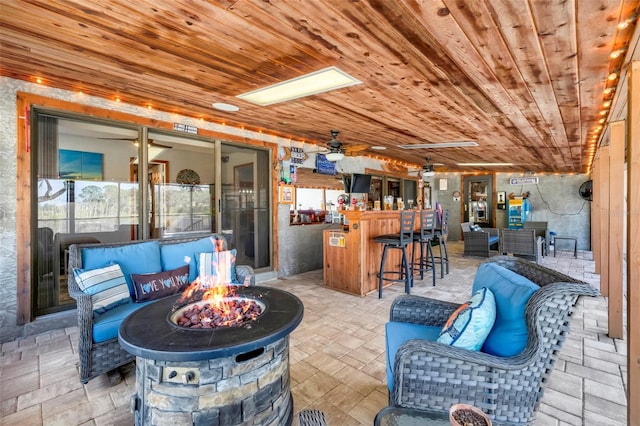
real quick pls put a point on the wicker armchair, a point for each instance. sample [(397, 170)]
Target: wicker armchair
[(479, 243), (542, 230), (521, 243), (103, 357), (432, 376)]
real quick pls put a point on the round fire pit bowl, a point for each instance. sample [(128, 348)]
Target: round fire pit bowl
[(150, 333)]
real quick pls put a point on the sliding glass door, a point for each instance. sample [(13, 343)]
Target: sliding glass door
[(245, 213), (102, 182)]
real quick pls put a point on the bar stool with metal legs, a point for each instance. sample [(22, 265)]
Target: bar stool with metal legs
[(424, 238), (397, 241), (441, 233)]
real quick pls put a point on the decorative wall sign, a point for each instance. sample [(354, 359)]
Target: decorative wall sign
[(286, 194), (185, 128), (336, 239), (324, 166), (531, 180), (501, 201), (298, 155)]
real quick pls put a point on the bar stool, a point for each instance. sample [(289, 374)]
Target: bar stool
[(397, 241), (427, 233), (441, 233)]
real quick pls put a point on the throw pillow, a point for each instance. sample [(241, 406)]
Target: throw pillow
[(476, 228), (215, 268), (160, 284), (469, 325), (107, 286), (512, 292)]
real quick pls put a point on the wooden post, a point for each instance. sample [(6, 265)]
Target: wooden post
[(595, 214), (616, 227), (633, 245), (603, 184)]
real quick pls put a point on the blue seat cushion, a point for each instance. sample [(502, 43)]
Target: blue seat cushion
[(494, 240), (177, 255), (399, 332), (137, 258), (106, 325), (512, 291)]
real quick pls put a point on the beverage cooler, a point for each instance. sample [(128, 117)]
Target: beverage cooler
[(518, 210)]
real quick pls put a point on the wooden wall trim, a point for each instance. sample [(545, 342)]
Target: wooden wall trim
[(616, 228), (24, 311), (604, 220), (595, 214), (633, 246)]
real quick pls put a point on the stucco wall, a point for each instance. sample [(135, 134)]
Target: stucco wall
[(299, 247)]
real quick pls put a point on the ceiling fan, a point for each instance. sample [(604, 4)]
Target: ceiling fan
[(336, 150), (136, 141)]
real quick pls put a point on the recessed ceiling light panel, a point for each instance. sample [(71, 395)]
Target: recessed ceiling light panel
[(379, 148), (485, 164), (310, 84), (439, 145)]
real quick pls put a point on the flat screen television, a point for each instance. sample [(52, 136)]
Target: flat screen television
[(360, 184)]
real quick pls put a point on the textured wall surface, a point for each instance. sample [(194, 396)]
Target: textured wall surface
[(299, 247), (8, 268)]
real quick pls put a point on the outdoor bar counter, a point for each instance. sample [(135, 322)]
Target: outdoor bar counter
[(351, 258)]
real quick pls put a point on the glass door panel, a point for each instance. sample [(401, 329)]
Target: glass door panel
[(83, 196), (245, 213), (478, 200)]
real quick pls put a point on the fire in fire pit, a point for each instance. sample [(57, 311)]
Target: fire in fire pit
[(213, 306), (231, 312)]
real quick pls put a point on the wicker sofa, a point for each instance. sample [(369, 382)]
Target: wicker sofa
[(479, 243), (104, 354), (432, 376)]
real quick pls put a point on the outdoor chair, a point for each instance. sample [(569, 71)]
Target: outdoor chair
[(542, 230), (521, 243), (479, 242), (431, 376)]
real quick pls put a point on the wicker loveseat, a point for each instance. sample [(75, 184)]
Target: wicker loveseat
[(103, 354), (522, 243), (432, 376)]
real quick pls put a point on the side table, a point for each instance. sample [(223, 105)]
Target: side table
[(575, 244), (399, 416)]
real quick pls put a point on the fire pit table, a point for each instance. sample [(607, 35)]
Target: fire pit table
[(223, 376)]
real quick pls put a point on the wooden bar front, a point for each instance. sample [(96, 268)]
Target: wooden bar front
[(352, 259)]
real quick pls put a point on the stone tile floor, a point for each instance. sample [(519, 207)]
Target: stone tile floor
[(337, 359)]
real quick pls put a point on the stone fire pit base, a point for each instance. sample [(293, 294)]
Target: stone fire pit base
[(244, 389)]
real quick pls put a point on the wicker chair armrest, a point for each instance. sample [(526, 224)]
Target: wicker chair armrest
[(539, 274), (424, 369), (421, 310), (244, 272)]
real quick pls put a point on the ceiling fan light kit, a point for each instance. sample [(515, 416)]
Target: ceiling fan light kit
[(334, 156)]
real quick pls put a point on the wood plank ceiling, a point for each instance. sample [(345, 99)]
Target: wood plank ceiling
[(524, 79)]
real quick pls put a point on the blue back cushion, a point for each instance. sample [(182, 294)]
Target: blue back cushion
[(508, 336), (399, 332), (177, 255), (138, 258)]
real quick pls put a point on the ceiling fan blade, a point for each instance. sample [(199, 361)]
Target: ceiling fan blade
[(120, 139), (159, 145), (354, 148)]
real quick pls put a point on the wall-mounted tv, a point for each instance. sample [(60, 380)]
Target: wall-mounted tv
[(360, 184)]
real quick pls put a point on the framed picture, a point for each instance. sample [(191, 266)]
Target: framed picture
[(79, 165), (286, 194)]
